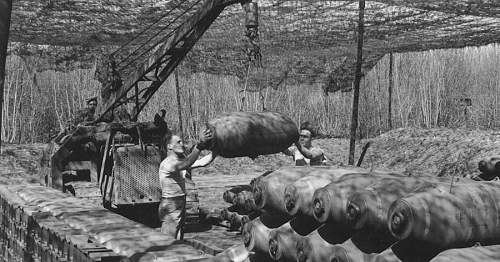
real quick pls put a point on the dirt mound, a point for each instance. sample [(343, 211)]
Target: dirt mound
[(442, 152), (432, 151)]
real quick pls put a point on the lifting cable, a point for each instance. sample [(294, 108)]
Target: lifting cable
[(134, 54), (162, 39), (253, 53), (148, 27)]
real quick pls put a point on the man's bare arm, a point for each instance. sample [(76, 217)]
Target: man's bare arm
[(311, 154), (204, 161), (193, 156), (189, 160)]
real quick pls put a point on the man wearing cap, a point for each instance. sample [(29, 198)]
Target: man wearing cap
[(85, 115), (303, 152)]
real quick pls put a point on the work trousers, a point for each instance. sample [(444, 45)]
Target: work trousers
[(170, 212)]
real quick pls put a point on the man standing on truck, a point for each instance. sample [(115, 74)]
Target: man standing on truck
[(85, 115), (172, 173), (304, 153)]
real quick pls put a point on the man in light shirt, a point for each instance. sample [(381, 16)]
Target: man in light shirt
[(304, 153), (172, 174)]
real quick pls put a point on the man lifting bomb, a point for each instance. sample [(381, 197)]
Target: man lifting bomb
[(304, 153), (172, 173)]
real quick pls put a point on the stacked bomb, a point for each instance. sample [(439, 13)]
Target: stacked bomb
[(242, 207), (348, 214), (342, 214), (489, 168), (291, 219)]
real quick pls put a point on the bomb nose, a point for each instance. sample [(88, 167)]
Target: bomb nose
[(227, 197), (301, 257), (290, 204), (273, 248), (353, 212), (401, 220), (397, 223), (247, 235), (257, 196), (482, 165), (357, 209), (339, 254), (318, 208), (290, 199), (250, 204)]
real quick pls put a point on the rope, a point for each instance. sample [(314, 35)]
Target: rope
[(245, 86)]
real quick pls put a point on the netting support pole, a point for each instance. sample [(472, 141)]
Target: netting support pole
[(357, 80), (178, 95), (5, 11), (391, 85)]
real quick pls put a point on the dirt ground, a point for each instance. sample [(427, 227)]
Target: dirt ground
[(431, 151)]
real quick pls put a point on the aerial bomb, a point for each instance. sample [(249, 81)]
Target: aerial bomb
[(318, 245), (298, 195), (329, 203), (230, 194), (445, 217), (282, 243), (490, 168), (269, 190), (256, 236), (348, 252), (367, 210), (251, 134), (476, 253)]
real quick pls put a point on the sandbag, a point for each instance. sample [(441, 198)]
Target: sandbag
[(367, 210), (251, 134), (437, 219)]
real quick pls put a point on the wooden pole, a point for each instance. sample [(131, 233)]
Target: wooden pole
[(391, 84), (178, 95), (357, 80), (5, 11)]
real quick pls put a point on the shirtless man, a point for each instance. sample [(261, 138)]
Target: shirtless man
[(304, 153), (172, 173)]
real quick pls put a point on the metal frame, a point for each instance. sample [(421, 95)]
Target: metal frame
[(165, 60)]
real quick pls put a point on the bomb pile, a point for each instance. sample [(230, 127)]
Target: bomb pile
[(352, 214)]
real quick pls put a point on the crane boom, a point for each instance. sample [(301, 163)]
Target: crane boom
[(149, 74)]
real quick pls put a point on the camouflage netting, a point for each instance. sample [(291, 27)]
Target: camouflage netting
[(308, 42)]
